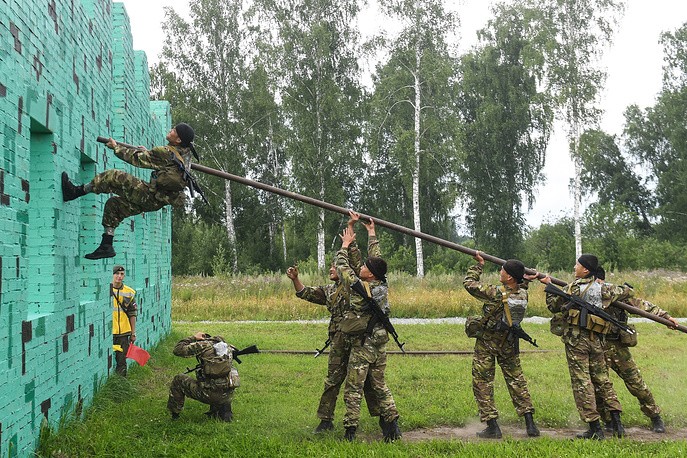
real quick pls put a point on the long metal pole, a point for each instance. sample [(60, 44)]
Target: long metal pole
[(421, 235)]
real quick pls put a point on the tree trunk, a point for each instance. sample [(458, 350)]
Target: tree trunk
[(416, 170), (577, 189), (229, 225)]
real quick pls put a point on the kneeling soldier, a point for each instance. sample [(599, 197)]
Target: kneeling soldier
[(216, 378)]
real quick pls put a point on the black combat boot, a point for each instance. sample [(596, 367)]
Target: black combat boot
[(224, 413), (392, 432), (69, 190), (594, 431), (532, 430), (492, 431), (175, 416), (349, 434), (104, 250), (213, 412), (657, 425), (325, 425), (384, 425), (618, 430), (608, 426)]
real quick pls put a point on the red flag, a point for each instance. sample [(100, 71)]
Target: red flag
[(138, 354)]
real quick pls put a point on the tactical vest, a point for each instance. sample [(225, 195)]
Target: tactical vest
[(213, 366), (591, 294), (513, 307)]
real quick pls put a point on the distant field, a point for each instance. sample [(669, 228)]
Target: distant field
[(271, 297)]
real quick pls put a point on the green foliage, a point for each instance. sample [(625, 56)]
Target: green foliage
[(506, 123), (551, 246)]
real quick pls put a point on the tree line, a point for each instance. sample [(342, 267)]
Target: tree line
[(448, 143)]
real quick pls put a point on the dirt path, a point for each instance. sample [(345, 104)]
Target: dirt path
[(468, 433)]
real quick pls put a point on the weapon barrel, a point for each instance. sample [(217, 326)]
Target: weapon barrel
[(404, 230)]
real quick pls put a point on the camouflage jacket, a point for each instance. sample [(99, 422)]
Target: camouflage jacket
[(333, 296), (167, 176), (492, 297), (204, 351), (621, 315), (348, 276)]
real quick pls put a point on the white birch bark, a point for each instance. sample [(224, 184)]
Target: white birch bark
[(416, 171), (229, 226)]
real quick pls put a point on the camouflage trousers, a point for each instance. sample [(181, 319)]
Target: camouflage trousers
[(619, 358), (207, 393), (368, 359), (584, 351), (133, 196), (337, 364), (487, 353), (123, 340)]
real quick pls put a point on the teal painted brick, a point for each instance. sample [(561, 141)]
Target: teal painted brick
[(75, 78)]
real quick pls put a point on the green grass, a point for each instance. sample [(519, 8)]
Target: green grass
[(271, 297), (276, 403)]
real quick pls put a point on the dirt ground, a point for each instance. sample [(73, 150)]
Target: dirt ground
[(468, 433)]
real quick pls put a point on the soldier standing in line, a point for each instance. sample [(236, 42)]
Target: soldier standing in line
[(170, 164), (124, 316), (334, 298), (504, 307), (619, 358), (368, 346), (584, 345), (216, 378)]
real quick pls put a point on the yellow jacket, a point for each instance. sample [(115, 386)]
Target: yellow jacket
[(124, 307)]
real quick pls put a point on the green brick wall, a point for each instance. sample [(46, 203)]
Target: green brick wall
[(68, 73)]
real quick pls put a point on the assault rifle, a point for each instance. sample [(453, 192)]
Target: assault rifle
[(520, 333), (586, 308), (319, 351), (193, 186), (378, 315)]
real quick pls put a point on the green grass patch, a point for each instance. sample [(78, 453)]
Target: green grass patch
[(276, 403)]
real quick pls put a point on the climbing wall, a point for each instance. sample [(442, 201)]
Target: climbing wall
[(68, 73)]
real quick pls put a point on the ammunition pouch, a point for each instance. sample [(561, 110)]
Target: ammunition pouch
[(594, 323), (626, 339), (558, 324), (353, 323), (474, 327), (234, 380)]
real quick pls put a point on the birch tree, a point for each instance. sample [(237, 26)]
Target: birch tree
[(411, 119), (205, 53), (579, 32)]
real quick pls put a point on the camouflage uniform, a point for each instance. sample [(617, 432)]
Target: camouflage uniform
[(584, 349), (496, 344), (368, 353), (217, 392), (619, 358), (334, 298), (135, 196)]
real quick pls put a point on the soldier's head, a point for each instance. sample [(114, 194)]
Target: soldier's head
[(181, 135), (333, 274), (373, 269), (586, 266), (117, 275), (512, 270)]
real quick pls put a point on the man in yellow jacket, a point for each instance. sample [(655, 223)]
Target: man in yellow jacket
[(124, 315)]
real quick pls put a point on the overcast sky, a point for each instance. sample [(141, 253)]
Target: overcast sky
[(633, 63)]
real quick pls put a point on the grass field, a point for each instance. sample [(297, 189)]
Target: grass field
[(271, 297), (276, 403)]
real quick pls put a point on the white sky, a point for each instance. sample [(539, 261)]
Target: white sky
[(634, 65)]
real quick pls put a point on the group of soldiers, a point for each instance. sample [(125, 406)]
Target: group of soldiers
[(592, 345), (357, 337)]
